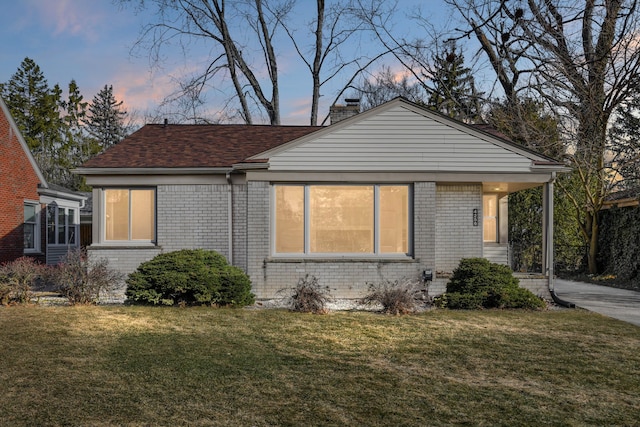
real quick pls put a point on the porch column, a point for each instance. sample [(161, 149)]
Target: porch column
[(547, 231)]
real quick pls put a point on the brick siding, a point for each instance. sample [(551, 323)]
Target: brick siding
[(18, 182), (456, 235)]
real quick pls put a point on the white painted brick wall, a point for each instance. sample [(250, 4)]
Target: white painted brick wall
[(124, 260), (192, 217), (456, 236)]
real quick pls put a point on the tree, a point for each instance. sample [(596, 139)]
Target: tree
[(246, 45), (582, 60), (386, 85), (105, 120), (624, 147), (77, 147), (214, 22), (453, 91), (34, 106), (333, 27), (529, 124)]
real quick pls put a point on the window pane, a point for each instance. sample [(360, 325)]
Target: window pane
[(394, 219), (117, 211), (490, 220), (142, 214), (29, 236), (51, 223), (30, 213), (72, 227), (62, 229), (341, 219), (289, 219)]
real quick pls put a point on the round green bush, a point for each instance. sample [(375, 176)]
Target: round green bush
[(189, 277), (478, 283), (475, 275)]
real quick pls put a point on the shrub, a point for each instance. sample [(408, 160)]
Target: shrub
[(309, 297), (460, 301), (17, 279), (478, 283), (189, 277), (82, 280), (395, 297), (474, 275)]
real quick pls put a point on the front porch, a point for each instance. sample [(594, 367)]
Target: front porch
[(496, 248)]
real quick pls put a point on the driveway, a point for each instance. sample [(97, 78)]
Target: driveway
[(620, 304)]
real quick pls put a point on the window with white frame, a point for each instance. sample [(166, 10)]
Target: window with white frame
[(341, 219), (62, 225), (31, 227), (129, 214)]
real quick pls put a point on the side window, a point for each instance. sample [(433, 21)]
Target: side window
[(129, 214), (31, 227)]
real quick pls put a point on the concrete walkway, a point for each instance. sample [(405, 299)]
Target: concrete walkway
[(620, 304)]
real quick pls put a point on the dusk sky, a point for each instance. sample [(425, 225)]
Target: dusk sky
[(90, 41)]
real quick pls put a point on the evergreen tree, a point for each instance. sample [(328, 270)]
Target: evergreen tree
[(453, 92), (34, 107), (105, 119), (77, 146)]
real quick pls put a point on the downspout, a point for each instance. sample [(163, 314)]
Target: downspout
[(230, 215), (548, 242)]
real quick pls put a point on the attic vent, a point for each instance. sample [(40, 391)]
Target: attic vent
[(339, 112)]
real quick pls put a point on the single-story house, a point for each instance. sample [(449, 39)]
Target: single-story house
[(398, 191), (37, 219)]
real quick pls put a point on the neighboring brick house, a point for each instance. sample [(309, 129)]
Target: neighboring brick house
[(394, 192), (37, 219)]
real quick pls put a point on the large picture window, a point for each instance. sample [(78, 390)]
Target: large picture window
[(62, 225), (341, 219), (31, 227), (129, 214)]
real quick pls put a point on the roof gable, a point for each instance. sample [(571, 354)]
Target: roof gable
[(401, 136), (14, 134)]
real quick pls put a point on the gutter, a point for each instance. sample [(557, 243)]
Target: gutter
[(230, 216)]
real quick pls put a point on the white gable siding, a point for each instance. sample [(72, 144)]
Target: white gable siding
[(398, 139)]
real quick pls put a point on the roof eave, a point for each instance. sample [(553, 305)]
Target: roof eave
[(153, 171), (67, 195)]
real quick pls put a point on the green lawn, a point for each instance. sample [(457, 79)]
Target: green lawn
[(144, 366)]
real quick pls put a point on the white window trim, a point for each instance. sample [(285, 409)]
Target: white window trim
[(376, 255), (129, 242), (36, 234)]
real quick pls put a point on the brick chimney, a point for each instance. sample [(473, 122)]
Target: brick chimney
[(338, 112)]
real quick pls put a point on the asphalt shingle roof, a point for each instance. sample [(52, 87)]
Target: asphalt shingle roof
[(192, 146)]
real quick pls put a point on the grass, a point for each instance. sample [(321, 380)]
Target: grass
[(142, 366)]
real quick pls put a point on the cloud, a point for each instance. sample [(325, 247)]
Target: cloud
[(70, 17)]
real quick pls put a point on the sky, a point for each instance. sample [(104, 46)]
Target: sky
[(91, 42)]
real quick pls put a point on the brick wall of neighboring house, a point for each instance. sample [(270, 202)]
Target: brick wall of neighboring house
[(18, 182)]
